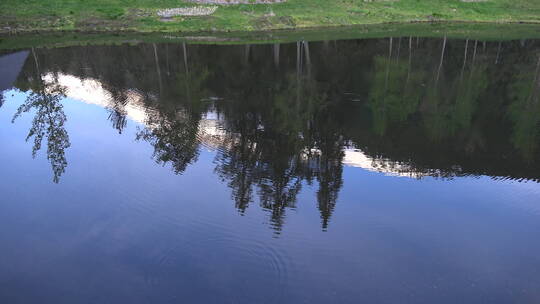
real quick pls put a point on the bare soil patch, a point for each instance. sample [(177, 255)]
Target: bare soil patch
[(231, 2)]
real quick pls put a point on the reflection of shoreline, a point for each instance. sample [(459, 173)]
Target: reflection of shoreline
[(210, 133)]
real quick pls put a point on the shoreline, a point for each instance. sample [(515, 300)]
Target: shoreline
[(173, 16), (92, 30), (452, 30)]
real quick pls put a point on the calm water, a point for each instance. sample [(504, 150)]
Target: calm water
[(369, 171)]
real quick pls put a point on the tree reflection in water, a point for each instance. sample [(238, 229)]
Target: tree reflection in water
[(174, 138), (290, 115), (45, 102)]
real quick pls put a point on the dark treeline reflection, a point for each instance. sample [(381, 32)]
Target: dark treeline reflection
[(285, 115)]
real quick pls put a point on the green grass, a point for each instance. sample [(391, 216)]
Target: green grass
[(477, 31), (140, 15)]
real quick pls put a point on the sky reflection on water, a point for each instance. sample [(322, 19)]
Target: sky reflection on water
[(377, 171)]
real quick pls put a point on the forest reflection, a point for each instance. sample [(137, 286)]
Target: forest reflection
[(284, 116)]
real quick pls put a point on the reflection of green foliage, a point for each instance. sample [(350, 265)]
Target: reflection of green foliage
[(468, 95), (450, 106), (525, 110), (270, 138), (284, 125), (394, 94), (48, 123), (191, 86), (295, 103)]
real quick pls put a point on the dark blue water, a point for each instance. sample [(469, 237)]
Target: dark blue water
[(369, 171)]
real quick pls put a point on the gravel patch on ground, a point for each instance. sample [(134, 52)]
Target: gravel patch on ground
[(187, 11), (229, 2)]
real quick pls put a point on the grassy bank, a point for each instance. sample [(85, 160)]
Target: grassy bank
[(141, 15), (477, 31)]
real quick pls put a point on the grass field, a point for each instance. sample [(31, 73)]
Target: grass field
[(141, 15), (477, 31)]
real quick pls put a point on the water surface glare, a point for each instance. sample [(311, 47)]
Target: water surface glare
[(399, 170)]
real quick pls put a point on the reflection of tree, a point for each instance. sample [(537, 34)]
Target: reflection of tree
[(468, 93), (117, 110), (173, 130), (237, 165), (330, 183), (286, 113), (449, 107), (174, 138), (259, 152), (279, 138), (279, 181), (460, 124), (447, 103), (48, 122), (270, 165), (330, 142), (525, 109), (395, 92)]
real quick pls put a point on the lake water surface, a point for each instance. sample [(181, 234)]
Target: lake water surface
[(398, 170)]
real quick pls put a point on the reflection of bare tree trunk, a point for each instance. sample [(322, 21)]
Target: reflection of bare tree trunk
[(537, 68), (498, 53), (306, 49), (465, 57), (308, 57), (185, 58), (388, 65), (246, 54), (410, 59), (473, 59), (298, 59), (398, 49), (157, 67), (535, 88), (167, 58), (276, 55), (299, 69), (184, 49), (474, 53), (36, 62), (442, 60), (38, 70)]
